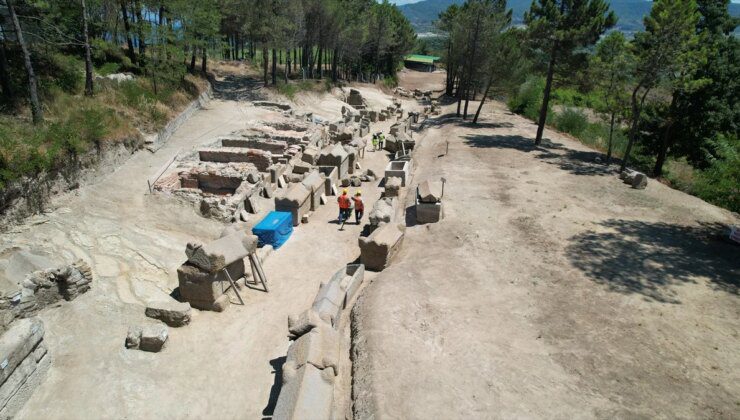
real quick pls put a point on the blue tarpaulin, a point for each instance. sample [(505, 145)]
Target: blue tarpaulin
[(274, 229)]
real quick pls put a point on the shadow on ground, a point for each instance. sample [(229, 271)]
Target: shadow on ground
[(577, 162), (237, 88), (277, 366), (650, 258)]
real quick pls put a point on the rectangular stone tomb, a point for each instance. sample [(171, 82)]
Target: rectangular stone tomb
[(400, 169), (24, 364), (277, 147), (297, 201), (314, 183), (331, 178), (211, 183), (335, 156), (259, 158), (378, 249)]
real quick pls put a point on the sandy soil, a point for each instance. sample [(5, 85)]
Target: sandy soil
[(550, 290), (224, 365)]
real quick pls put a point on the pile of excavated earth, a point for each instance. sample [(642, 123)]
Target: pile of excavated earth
[(489, 277)]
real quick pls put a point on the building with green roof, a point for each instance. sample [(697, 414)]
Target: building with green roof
[(421, 62)]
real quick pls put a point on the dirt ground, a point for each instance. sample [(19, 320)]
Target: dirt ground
[(223, 365), (550, 290)]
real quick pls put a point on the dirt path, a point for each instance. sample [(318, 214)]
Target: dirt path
[(223, 365), (550, 290)]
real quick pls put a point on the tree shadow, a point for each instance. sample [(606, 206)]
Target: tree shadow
[(491, 125), (237, 88), (497, 141), (650, 258), (577, 162), (277, 366)]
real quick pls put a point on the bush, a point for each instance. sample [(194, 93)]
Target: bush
[(573, 98), (68, 72), (720, 183), (572, 121), (528, 99), (390, 81), (109, 68)]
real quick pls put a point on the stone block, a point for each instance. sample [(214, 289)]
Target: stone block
[(259, 158), (392, 186), (383, 211), (332, 291), (378, 249), (315, 183), (307, 393), (172, 312), (430, 192), (352, 277), (203, 289), (639, 181), (400, 169), (310, 155), (214, 256), (296, 201), (327, 310), (153, 338), (17, 343), (133, 337), (429, 212), (318, 347), (304, 322), (331, 178)]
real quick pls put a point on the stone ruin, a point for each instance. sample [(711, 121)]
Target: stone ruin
[(202, 278), (429, 206), (25, 361), (379, 248), (356, 100), (43, 288), (237, 175), (312, 362), (23, 353)]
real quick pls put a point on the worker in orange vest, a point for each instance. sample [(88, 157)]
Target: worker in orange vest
[(345, 206), (359, 206)]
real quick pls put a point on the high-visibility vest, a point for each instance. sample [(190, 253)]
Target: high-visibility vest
[(359, 205), (344, 202)]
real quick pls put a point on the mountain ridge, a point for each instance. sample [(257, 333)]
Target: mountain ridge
[(630, 12)]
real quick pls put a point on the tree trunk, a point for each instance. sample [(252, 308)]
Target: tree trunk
[(546, 97), (5, 72), (611, 136), (287, 65), (666, 141), (88, 57), (36, 111), (265, 63), (636, 110), (140, 29), (192, 60), (274, 66), (319, 70), (204, 61), (127, 27), (334, 65), (483, 99)]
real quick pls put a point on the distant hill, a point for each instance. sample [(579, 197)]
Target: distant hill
[(630, 12)]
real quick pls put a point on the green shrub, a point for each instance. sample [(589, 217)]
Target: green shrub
[(528, 99), (574, 98), (68, 72), (572, 121), (109, 68), (720, 183), (390, 81)]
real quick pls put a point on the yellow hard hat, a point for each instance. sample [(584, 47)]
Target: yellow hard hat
[(344, 191), (358, 192)]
